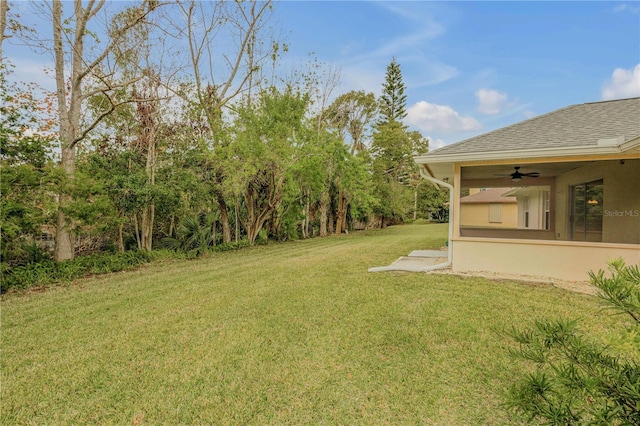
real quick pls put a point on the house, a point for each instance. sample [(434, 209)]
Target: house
[(577, 177), (489, 208), (533, 206)]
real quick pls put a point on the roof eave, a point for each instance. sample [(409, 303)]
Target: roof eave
[(585, 150)]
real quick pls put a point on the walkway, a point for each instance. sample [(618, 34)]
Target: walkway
[(434, 262)]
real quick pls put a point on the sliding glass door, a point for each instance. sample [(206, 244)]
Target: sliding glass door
[(586, 211)]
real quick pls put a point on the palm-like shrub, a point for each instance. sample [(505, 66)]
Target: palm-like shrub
[(577, 381), (194, 235)]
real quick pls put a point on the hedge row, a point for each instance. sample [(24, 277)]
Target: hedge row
[(48, 272)]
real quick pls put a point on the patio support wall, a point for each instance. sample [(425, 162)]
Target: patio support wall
[(564, 260)]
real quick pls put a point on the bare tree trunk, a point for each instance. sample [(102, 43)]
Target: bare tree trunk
[(224, 219), (148, 212), (415, 203), (4, 9), (70, 95), (137, 231), (324, 213), (305, 220), (263, 198), (236, 219), (172, 224), (120, 238), (64, 236), (331, 222), (341, 214), (147, 114), (146, 227)]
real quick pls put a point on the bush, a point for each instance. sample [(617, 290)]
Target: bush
[(231, 246), (577, 380), (47, 272)]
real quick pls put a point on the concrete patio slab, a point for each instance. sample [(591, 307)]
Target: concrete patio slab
[(417, 261), (428, 253)]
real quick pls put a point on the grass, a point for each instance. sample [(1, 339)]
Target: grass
[(294, 333)]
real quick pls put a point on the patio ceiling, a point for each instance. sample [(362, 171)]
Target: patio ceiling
[(444, 171), (544, 169)]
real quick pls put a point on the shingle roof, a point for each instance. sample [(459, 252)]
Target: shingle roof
[(576, 125), (493, 195)]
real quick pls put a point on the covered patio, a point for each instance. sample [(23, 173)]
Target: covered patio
[(578, 192)]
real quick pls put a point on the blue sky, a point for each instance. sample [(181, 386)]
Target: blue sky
[(471, 67)]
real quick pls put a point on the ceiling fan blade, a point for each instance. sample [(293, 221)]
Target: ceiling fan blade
[(517, 174)]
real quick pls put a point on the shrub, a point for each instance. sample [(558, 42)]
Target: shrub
[(47, 272), (231, 246), (577, 380)]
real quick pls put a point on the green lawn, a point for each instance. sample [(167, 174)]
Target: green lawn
[(293, 333)]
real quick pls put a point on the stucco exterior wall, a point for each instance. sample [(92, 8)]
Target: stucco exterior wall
[(566, 260), (621, 181), (477, 214), (535, 200)]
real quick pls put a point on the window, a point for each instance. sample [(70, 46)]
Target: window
[(586, 211), (546, 206), (495, 213), (525, 211)]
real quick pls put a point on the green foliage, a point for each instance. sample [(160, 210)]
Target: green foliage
[(48, 272), (263, 152), (431, 202), (393, 168), (352, 115), (231, 246), (577, 380), (395, 175), (195, 235), (621, 289), (28, 177), (393, 102)]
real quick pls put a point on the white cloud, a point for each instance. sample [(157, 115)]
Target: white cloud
[(430, 117), (401, 44), (622, 84), (28, 70), (435, 143), (490, 101), (430, 72), (625, 7), (368, 77)]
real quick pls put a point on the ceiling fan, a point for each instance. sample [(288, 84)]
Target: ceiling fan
[(517, 175)]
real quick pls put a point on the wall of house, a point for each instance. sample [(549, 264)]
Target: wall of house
[(534, 196), (509, 233), (477, 214), (565, 260), (621, 194)]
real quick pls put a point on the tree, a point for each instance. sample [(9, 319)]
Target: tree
[(432, 202), (263, 152), (27, 174), (393, 149), (72, 89), (352, 114), (4, 11), (576, 380), (393, 101), (226, 52)]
